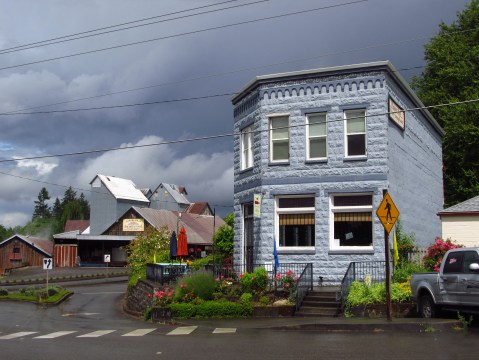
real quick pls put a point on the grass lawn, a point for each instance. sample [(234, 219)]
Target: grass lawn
[(36, 295)]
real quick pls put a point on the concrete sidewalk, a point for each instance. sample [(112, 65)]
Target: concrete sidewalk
[(330, 324)]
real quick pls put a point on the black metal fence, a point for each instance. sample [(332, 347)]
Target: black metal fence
[(367, 271), (168, 273)]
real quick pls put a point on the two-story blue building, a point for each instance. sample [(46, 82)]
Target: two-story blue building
[(318, 149)]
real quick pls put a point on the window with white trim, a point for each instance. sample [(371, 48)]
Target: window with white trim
[(247, 147), (352, 221), (279, 138), (295, 222), (355, 132), (316, 145)]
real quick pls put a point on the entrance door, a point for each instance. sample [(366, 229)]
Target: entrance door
[(248, 236)]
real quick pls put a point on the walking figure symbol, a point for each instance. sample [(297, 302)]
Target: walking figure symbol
[(388, 209)]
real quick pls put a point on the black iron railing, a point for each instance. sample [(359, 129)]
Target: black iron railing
[(304, 284), (367, 271), (303, 272)]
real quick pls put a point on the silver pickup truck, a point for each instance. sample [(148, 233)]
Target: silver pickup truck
[(455, 287)]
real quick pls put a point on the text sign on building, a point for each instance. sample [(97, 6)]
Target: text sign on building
[(387, 213), (133, 225), (47, 263), (257, 206), (397, 114)]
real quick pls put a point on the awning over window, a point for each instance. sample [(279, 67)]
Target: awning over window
[(353, 216), (296, 219)]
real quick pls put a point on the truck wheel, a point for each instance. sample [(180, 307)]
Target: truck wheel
[(427, 309)]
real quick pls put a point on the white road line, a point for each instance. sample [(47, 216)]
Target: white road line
[(224, 330), (17, 335), (139, 332), (96, 333), (55, 335), (183, 330)]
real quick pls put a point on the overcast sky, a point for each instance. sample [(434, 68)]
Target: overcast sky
[(190, 55)]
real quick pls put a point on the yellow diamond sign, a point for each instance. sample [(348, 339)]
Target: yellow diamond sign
[(387, 213)]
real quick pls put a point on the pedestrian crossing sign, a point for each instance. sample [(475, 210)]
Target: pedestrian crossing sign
[(387, 213)]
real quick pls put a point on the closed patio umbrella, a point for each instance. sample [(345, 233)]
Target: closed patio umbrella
[(173, 245), (182, 247)]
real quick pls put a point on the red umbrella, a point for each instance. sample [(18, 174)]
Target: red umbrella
[(182, 247)]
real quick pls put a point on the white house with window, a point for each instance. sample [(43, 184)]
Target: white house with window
[(316, 150)]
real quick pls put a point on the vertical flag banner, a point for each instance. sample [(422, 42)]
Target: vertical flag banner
[(276, 260), (395, 250)]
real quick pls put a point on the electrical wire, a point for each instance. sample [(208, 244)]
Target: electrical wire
[(211, 137), (82, 35), (182, 34)]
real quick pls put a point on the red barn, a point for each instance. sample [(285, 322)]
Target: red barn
[(20, 250)]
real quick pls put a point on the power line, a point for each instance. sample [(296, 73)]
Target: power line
[(119, 106), (86, 34), (211, 137), (182, 34)]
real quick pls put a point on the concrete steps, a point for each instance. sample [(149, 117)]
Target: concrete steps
[(320, 302)]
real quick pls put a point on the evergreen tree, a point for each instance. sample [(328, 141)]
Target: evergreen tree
[(42, 209), (450, 75)]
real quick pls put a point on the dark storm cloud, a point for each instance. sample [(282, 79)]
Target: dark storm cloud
[(182, 67)]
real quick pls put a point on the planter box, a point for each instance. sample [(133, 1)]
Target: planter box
[(399, 310), (160, 314)]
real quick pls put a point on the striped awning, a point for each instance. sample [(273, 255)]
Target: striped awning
[(353, 216), (296, 219)]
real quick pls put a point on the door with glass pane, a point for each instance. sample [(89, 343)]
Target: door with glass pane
[(248, 236)]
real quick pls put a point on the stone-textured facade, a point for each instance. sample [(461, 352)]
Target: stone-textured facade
[(405, 162)]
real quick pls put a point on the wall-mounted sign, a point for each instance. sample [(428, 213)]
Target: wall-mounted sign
[(397, 114), (133, 225), (257, 206)]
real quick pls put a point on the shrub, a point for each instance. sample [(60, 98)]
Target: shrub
[(435, 253), (183, 310), (163, 297), (362, 294), (246, 298), (199, 284), (256, 282), (406, 244), (403, 271), (3, 292)]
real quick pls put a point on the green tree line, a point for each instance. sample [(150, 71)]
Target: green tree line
[(48, 220)]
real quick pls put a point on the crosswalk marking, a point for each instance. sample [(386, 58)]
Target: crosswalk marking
[(183, 330), (54, 335), (224, 330), (96, 333), (17, 335), (139, 332)]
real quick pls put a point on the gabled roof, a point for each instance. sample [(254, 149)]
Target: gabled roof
[(199, 228), (44, 246), (177, 192), (80, 225), (199, 208), (121, 188), (467, 207)]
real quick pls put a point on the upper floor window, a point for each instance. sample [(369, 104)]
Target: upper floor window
[(352, 221), (355, 132), (247, 147), (316, 145), (295, 220), (279, 138)]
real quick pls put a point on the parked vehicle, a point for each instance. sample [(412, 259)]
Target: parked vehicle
[(455, 287)]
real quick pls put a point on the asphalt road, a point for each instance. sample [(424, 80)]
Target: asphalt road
[(92, 325)]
